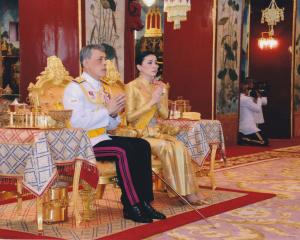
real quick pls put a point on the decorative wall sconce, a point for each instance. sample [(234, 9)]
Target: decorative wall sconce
[(271, 15), (177, 11)]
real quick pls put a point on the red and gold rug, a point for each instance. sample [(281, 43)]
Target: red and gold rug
[(109, 224)]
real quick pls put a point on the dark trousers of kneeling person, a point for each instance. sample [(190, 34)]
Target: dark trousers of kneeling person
[(253, 139), (133, 163), (264, 132)]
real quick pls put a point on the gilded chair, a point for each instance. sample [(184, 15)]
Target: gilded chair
[(47, 94)]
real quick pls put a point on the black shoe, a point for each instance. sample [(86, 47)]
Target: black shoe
[(135, 214), (151, 212)]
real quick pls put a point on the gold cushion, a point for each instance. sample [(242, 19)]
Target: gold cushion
[(191, 115)]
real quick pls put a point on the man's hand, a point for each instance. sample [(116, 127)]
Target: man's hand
[(115, 105)]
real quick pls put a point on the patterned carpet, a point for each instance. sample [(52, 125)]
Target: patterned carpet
[(108, 212), (108, 215), (247, 159), (277, 218), (292, 149)]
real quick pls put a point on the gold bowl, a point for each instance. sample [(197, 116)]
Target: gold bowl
[(61, 116)]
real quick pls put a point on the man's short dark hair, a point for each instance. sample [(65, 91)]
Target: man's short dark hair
[(86, 52)]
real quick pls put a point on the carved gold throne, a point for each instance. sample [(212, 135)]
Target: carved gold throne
[(47, 92), (46, 95)]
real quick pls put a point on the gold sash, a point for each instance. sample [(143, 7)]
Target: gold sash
[(96, 132), (144, 120)]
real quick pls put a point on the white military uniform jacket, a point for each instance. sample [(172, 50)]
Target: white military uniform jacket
[(86, 113), (247, 123), (259, 117)]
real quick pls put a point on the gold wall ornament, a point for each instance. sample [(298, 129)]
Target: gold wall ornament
[(272, 15), (177, 11)]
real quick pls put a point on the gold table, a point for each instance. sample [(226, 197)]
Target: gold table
[(202, 138), (34, 157)]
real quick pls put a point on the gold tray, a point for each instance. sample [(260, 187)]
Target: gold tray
[(37, 128)]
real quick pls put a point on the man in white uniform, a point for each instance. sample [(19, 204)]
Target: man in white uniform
[(95, 111), (249, 133), (259, 117), (257, 92)]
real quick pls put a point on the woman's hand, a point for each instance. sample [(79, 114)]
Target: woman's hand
[(157, 93)]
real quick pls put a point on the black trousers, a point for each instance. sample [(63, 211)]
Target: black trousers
[(254, 139), (264, 132), (133, 163)]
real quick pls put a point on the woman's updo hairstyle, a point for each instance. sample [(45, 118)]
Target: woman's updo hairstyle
[(141, 56)]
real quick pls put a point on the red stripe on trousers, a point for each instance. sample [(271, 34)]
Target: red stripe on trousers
[(124, 169)]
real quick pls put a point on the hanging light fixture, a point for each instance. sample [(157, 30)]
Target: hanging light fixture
[(149, 3), (266, 41), (177, 11), (271, 15)]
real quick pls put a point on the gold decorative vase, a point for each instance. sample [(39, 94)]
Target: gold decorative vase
[(55, 205), (88, 199)]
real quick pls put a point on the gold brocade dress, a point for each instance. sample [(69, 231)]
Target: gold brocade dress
[(177, 165)]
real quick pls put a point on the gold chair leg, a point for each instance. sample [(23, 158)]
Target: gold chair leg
[(39, 211), (158, 184), (100, 191), (214, 148), (19, 195), (75, 196)]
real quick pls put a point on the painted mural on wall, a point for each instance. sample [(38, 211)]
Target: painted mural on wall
[(105, 22), (228, 55), (9, 47), (245, 41), (297, 62)]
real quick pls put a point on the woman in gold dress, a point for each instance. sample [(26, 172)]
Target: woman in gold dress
[(147, 100)]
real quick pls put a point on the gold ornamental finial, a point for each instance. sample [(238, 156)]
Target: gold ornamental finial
[(153, 23), (112, 75)]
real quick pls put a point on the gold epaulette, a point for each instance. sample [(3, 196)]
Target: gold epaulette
[(79, 80)]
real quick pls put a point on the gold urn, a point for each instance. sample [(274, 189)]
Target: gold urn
[(55, 204)]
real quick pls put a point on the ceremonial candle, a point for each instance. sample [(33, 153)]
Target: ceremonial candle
[(31, 119), (37, 118), (171, 114), (26, 119), (45, 121), (11, 119)]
